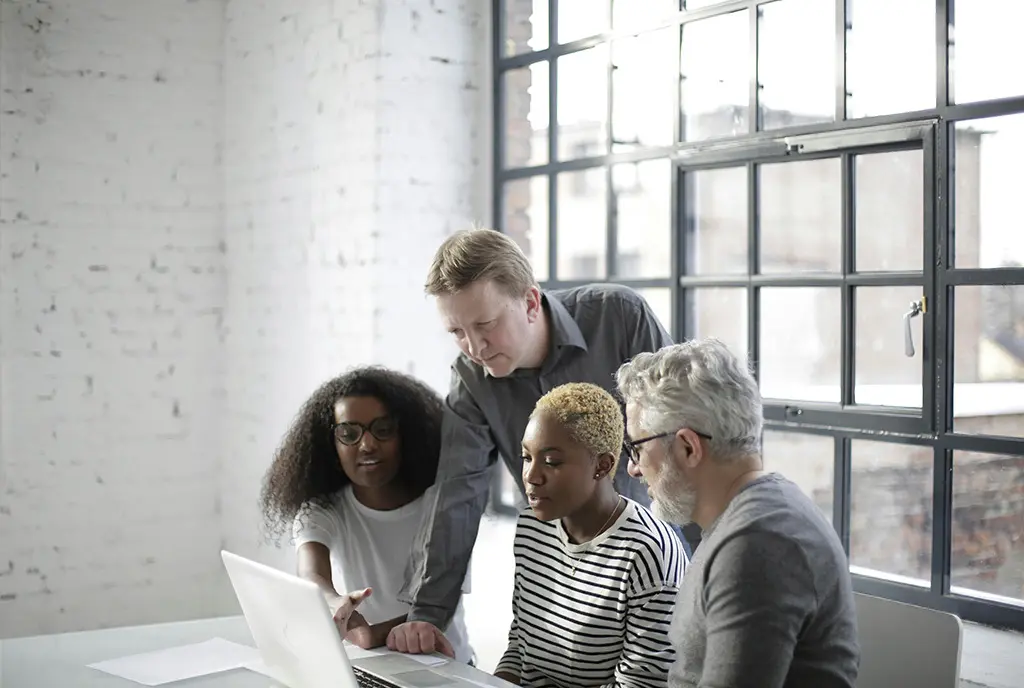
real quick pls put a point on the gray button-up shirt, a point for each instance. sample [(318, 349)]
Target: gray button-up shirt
[(594, 329)]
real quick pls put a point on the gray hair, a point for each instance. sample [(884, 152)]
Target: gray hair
[(699, 385)]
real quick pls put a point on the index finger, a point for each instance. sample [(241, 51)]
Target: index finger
[(355, 598), (444, 646)]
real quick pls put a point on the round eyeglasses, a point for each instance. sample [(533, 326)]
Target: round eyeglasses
[(351, 432)]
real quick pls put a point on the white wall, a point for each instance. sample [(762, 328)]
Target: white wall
[(112, 294), (205, 209)]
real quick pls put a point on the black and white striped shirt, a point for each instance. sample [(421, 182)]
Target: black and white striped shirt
[(598, 613)]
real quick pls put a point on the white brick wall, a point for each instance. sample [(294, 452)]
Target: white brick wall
[(164, 309), (112, 294)]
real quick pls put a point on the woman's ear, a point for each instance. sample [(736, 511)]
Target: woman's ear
[(603, 465)]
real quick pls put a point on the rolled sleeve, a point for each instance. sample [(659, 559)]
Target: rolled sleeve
[(439, 563)]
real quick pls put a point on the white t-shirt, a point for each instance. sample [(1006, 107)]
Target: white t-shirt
[(371, 548)]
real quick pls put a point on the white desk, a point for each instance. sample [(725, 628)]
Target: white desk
[(56, 661)]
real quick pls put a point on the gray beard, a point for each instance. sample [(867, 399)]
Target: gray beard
[(679, 512), (673, 500)]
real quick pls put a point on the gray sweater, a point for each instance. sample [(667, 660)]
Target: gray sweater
[(767, 601)]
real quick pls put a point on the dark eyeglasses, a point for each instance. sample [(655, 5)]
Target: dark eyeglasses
[(634, 453), (351, 432)]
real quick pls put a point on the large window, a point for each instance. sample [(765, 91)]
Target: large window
[(831, 187)]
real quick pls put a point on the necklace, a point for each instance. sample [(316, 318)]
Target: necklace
[(577, 561)]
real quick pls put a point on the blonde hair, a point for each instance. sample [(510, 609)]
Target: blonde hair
[(591, 415), (479, 254)]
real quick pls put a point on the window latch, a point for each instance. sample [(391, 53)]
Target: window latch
[(916, 309)]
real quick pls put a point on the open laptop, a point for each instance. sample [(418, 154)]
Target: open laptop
[(300, 645)]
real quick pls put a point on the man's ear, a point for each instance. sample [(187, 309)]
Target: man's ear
[(687, 449), (604, 465), (534, 306)]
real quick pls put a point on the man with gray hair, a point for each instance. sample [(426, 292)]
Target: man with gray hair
[(767, 600)]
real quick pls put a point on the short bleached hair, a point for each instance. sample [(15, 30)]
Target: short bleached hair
[(698, 385), (590, 414)]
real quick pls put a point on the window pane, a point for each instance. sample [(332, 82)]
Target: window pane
[(801, 216), (719, 312), (799, 338), (583, 103), (698, 4), (714, 75), (885, 375), (889, 206), (660, 301), (642, 93), (582, 234), (796, 63), (526, 116), (987, 192), (630, 14), (643, 203), (880, 82), (987, 43), (807, 460), (988, 360), (891, 510), (988, 520), (715, 228), (581, 18), (526, 26), (526, 220)]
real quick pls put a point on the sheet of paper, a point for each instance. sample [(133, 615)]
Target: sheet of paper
[(355, 652), (178, 663)]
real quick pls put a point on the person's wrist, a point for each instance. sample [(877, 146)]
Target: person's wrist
[(379, 633)]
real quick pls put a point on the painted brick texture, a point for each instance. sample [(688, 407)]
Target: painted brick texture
[(112, 296), (205, 209)]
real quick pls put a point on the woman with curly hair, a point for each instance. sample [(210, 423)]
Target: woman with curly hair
[(352, 481), (596, 574)]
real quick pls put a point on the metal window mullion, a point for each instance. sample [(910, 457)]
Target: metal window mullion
[(611, 196), (753, 267), (498, 117), (842, 21), (552, 143), (934, 255), (942, 509), (944, 16), (982, 276), (841, 491), (677, 206), (847, 299), (754, 113), (941, 155), (687, 206)]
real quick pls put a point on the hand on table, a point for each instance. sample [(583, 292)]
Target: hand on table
[(419, 637)]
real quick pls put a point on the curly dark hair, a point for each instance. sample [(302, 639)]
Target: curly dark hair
[(306, 468)]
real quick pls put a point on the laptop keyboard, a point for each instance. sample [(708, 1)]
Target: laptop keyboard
[(366, 680)]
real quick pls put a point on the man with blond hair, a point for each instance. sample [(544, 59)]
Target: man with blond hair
[(767, 601), (517, 343)]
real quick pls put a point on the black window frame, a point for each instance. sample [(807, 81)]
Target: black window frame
[(932, 426)]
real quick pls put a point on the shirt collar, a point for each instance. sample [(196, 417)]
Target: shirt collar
[(565, 331)]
